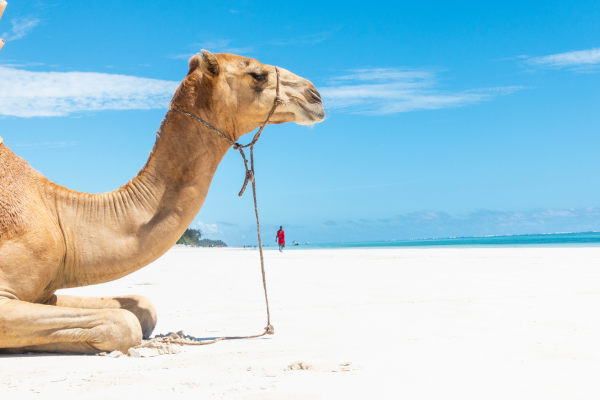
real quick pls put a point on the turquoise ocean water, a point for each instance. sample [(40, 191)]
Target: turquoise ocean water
[(581, 239)]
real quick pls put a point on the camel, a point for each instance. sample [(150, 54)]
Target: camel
[(53, 238)]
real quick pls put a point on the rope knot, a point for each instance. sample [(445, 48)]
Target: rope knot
[(270, 330), (237, 146), (279, 101), (249, 178)]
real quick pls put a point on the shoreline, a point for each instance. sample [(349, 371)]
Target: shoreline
[(574, 239), (431, 247)]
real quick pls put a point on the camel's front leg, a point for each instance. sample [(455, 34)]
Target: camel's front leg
[(38, 327), (140, 306)]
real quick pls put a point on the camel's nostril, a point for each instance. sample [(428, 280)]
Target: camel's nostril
[(312, 95), (317, 94)]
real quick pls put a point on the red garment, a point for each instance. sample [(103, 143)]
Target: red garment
[(281, 236)]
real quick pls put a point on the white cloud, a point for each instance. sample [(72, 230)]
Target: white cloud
[(20, 28), (207, 229), (44, 94), (570, 59), (394, 90)]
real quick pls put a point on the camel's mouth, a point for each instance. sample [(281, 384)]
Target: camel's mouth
[(304, 106), (313, 112), (299, 112), (309, 108)]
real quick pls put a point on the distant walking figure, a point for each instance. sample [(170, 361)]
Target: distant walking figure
[(280, 238)]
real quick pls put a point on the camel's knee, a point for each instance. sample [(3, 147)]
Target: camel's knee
[(143, 309), (6, 323), (120, 330)]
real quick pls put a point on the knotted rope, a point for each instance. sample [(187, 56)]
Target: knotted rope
[(249, 177)]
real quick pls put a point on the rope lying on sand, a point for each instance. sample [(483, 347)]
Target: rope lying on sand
[(186, 340), (166, 344), (250, 176)]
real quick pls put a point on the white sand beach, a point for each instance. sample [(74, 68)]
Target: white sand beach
[(411, 323)]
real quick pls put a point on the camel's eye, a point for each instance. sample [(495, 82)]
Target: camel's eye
[(257, 76)]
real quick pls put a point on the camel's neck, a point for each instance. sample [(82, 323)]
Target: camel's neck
[(112, 235)]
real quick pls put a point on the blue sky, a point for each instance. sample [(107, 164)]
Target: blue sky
[(444, 119)]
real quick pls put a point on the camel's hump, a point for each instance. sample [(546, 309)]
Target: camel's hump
[(15, 180)]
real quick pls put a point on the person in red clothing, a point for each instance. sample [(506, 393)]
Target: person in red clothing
[(280, 238)]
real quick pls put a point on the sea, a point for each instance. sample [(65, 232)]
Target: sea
[(578, 239)]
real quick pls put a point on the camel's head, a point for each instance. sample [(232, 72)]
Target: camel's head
[(237, 93)]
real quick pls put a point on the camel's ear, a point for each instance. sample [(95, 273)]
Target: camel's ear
[(209, 63), (194, 62)]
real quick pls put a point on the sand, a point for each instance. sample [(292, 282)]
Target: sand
[(462, 323)]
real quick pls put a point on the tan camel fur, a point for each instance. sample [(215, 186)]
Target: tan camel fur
[(52, 237), (2, 7)]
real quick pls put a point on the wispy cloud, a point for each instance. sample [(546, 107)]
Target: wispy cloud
[(581, 61), (20, 28), (227, 223), (316, 37), (426, 224), (207, 229), (394, 90), (44, 94), (217, 44), (512, 58), (19, 64), (345, 188), (225, 45), (431, 223), (44, 145)]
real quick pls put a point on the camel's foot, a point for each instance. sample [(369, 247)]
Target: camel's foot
[(37, 327), (140, 306)]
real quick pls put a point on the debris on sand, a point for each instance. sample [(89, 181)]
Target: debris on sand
[(176, 335), (114, 354), (156, 346), (153, 348), (299, 365)]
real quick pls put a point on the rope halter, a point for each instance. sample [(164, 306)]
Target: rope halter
[(248, 178)]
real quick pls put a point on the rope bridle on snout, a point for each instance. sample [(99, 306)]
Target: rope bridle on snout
[(249, 177)]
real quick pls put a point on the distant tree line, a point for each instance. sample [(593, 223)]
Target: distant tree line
[(209, 243), (190, 236), (193, 236)]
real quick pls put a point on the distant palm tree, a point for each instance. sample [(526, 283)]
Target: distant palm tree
[(190, 236)]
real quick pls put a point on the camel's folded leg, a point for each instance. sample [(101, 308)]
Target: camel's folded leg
[(140, 306), (37, 327)]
